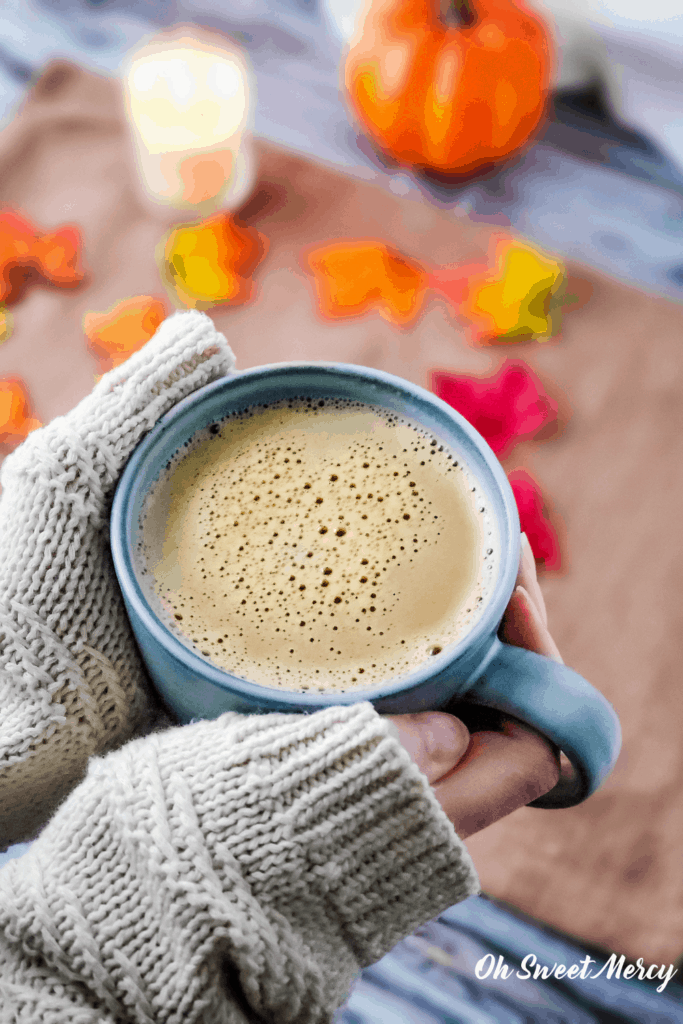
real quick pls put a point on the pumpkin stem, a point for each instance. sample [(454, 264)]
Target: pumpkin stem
[(460, 13)]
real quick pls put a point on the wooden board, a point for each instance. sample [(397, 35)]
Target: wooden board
[(609, 871)]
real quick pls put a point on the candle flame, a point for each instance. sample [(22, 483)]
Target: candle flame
[(189, 104)]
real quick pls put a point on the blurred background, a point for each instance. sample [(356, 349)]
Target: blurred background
[(603, 184), (599, 192)]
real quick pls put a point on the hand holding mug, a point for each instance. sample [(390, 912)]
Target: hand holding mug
[(248, 585), (481, 777)]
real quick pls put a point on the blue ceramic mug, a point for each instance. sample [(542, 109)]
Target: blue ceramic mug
[(479, 669)]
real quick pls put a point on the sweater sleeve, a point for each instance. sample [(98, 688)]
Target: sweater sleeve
[(236, 870)]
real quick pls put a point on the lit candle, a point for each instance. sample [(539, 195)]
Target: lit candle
[(190, 102)]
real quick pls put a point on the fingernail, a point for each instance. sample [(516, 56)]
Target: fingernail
[(445, 737), (527, 547), (552, 649), (530, 605)]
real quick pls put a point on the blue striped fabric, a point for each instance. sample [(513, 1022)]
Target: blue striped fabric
[(432, 977)]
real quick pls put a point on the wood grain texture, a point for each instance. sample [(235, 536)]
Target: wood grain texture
[(607, 872)]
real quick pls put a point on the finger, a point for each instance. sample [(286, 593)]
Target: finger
[(500, 772), (522, 626), (99, 434), (434, 740), (528, 578)]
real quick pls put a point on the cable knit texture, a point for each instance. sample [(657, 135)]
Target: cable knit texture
[(232, 871), (71, 681)]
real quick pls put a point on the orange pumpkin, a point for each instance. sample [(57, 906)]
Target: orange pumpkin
[(450, 89)]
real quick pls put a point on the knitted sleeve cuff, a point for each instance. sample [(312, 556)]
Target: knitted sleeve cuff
[(327, 809), (258, 860), (379, 848)]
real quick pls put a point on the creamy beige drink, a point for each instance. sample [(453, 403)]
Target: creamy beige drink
[(318, 545)]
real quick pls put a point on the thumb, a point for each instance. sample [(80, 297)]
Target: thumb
[(186, 353), (435, 741), (79, 456)]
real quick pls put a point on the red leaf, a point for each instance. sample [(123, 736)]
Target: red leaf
[(534, 522), (505, 408)]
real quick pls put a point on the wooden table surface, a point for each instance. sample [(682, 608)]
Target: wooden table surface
[(609, 871)]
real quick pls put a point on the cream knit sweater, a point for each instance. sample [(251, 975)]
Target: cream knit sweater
[(72, 683), (236, 870)]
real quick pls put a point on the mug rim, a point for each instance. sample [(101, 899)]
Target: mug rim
[(121, 537)]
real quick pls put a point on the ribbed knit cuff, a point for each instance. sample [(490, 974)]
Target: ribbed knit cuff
[(381, 850), (345, 818), (258, 860)]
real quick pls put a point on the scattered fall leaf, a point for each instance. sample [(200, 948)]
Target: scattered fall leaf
[(123, 329), (506, 407), (16, 421), (533, 519), (6, 324), (513, 303), (27, 255), (210, 262), (352, 278), (516, 297)]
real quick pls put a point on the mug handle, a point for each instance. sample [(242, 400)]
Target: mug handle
[(561, 705)]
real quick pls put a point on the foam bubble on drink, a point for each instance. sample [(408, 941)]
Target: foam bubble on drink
[(320, 545)]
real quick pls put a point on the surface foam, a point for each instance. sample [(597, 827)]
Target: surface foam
[(319, 545)]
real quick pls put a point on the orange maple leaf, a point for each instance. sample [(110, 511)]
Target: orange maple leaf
[(16, 421), (354, 277), (123, 329), (25, 255)]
